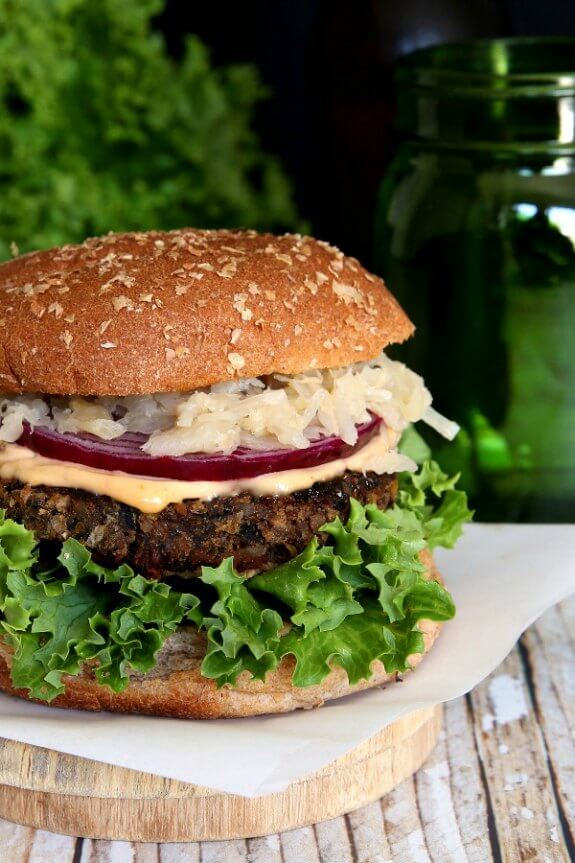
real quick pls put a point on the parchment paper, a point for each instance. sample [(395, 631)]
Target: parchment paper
[(502, 578)]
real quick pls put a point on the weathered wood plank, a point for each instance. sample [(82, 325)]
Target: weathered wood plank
[(450, 795), (403, 825), (180, 852), (369, 836), (265, 849), (15, 840), (232, 851), (102, 851), (334, 842), (511, 749), (146, 852), (550, 658), (299, 846), (467, 790), (24, 845), (49, 847)]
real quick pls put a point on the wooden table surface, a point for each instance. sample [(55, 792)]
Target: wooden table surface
[(500, 786)]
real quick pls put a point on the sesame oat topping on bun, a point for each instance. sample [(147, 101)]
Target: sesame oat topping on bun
[(135, 313)]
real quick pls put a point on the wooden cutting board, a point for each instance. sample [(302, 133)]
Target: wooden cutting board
[(66, 794)]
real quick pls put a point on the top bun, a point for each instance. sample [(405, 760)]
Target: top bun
[(129, 314)]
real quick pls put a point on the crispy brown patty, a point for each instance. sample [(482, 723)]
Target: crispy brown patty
[(258, 531)]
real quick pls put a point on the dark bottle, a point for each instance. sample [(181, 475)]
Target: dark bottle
[(475, 234), (352, 105)]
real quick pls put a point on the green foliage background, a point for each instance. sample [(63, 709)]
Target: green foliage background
[(100, 129)]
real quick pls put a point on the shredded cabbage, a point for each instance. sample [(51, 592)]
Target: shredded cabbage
[(280, 411), (446, 428)]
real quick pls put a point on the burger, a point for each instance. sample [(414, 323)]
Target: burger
[(214, 501)]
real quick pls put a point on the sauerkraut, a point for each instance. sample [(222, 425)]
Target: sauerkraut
[(279, 411)]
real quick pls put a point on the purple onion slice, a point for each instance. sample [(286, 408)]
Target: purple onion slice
[(125, 454)]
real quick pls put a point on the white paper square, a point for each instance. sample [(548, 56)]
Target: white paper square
[(502, 578)]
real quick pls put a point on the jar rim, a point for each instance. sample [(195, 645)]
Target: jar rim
[(521, 64)]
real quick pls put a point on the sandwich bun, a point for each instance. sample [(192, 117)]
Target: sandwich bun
[(138, 313)]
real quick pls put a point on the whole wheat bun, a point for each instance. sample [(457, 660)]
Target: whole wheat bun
[(176, 688), (159, 312)]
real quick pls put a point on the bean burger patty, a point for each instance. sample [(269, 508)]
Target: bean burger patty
[(260, 532)]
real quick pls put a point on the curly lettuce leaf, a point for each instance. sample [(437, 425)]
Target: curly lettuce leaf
[(56, 620), (442, 509), (242, 636), (312, 587), (354, 646), (374, 569), (354, 600)]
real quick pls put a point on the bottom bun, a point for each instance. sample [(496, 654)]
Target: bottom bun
[(176, 688)]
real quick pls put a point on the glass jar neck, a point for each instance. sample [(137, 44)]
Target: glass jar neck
[(490, 93)]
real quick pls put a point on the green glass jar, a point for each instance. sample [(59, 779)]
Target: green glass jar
[(475, 234)]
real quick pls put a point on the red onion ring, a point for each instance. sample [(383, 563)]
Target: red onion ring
[(125, 454)]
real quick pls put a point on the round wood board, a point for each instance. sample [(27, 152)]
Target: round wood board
[(66, 794)]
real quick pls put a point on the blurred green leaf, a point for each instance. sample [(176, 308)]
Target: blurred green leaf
[(101, 130)]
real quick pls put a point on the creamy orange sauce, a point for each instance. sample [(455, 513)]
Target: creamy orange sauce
[(151, 495)]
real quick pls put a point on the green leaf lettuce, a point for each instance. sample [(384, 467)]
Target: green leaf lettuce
[(348, 602)]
